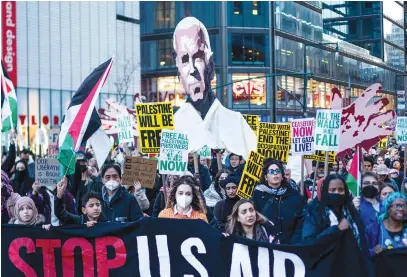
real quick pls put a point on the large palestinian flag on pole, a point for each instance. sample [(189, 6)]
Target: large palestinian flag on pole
[(81, 120), (8, 102)]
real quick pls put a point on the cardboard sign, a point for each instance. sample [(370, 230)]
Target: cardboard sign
[(125, 126), (205, 152), (140, 169), (173, 153), (302, 142), (274, 141), (253, 121), (319, 156), (401, 130), (251, 175), (151, 119), (53, 135), (327, 130), (47, 172)]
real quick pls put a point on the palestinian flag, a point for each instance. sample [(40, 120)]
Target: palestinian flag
[(81, 121), (354, 177), (8, 102)]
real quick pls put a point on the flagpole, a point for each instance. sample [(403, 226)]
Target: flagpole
[(326, 164), (69, 164), (359, 171), (302, 174)]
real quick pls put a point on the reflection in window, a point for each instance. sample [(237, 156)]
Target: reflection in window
[(120, 8), (255, 10), (393, 11), (164, 53), (393, 33), (249, 89), (248, 49), (164, 15), (237, 7)]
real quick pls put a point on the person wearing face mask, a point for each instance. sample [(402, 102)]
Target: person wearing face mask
[(332, 213), (280, 203), (368, 204), (246, 222), (22, 183), (216, 192), (391, 230), (118, 204), (224, 207), (184, 201)]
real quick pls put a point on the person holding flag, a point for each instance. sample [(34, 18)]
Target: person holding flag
[(8, 102)]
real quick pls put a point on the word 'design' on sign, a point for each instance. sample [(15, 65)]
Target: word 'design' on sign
[(401, 130), (151, 119), (251, 175), (273, 140), (302, 142), (327, 130), (173, 153)]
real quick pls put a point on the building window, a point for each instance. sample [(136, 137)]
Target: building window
[(164, 15), (164, 54), (255, 9), (248, 49), (120, 8), (248, 89), (237, 7)]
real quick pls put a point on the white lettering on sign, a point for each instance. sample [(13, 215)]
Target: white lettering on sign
[(249, 87)]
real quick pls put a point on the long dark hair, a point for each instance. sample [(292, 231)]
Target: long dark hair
[(235, 227), (266, 165), (197, 203)]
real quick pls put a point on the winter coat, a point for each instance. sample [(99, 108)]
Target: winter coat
[(159, 204), (11, 158), (38, 222), (204, 176), (367, 213), (24, 187), (83, 188), (222, 210), (43, 203), (122, 207), (285, 211), (68, 218)]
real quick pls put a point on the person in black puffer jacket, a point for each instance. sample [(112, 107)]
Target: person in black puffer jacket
[(280, 203)]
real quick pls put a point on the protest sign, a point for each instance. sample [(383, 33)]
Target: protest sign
[(125, 127), (205, 152), (173, 153), (253, 121), (327, 130), (251, 175), (47, 172), (139, 169), (172, 247), (53, 143), (383, 143), (151, 119), (401, 130), (319, 156), (273, 140), (302, 142)]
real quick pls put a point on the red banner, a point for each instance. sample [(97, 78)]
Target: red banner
[(9, 38)]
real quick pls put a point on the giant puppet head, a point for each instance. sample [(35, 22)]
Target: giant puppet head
[(193, 57)]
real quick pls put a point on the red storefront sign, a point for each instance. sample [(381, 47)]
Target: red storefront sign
[(9, 38)]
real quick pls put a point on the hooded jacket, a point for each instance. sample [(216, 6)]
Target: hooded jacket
[(122, 207), (285, 211)]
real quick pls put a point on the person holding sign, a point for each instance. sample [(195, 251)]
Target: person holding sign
[(280, 203), (184, 201), (224, 207), (245, 221)]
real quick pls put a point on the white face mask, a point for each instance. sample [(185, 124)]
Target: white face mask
[(112, 185), (183, 200)]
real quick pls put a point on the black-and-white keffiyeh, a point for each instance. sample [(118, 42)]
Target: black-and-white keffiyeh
[(277, 192), (212, 196)]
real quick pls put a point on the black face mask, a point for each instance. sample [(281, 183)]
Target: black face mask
[(336, 199), (370, 192), (19, 175), (83, 167)]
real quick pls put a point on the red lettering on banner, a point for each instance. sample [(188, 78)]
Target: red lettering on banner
[(68, 260), (101, 248), (48, 255), (14, 255), (9, 38)]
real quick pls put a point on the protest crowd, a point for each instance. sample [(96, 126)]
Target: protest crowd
[(243, 195)]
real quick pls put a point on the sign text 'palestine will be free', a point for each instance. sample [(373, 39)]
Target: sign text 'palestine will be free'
[(274, 140), (327, 130), (151, 119), (251, 175)]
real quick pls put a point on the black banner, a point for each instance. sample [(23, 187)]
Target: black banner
[(164, 247)]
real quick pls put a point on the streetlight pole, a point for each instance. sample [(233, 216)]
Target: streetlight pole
[(306, 69)]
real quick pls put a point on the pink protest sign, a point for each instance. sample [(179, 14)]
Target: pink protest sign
[(302, 142)]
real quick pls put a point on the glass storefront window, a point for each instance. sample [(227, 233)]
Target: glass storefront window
[(248, 89), (164, 15)]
